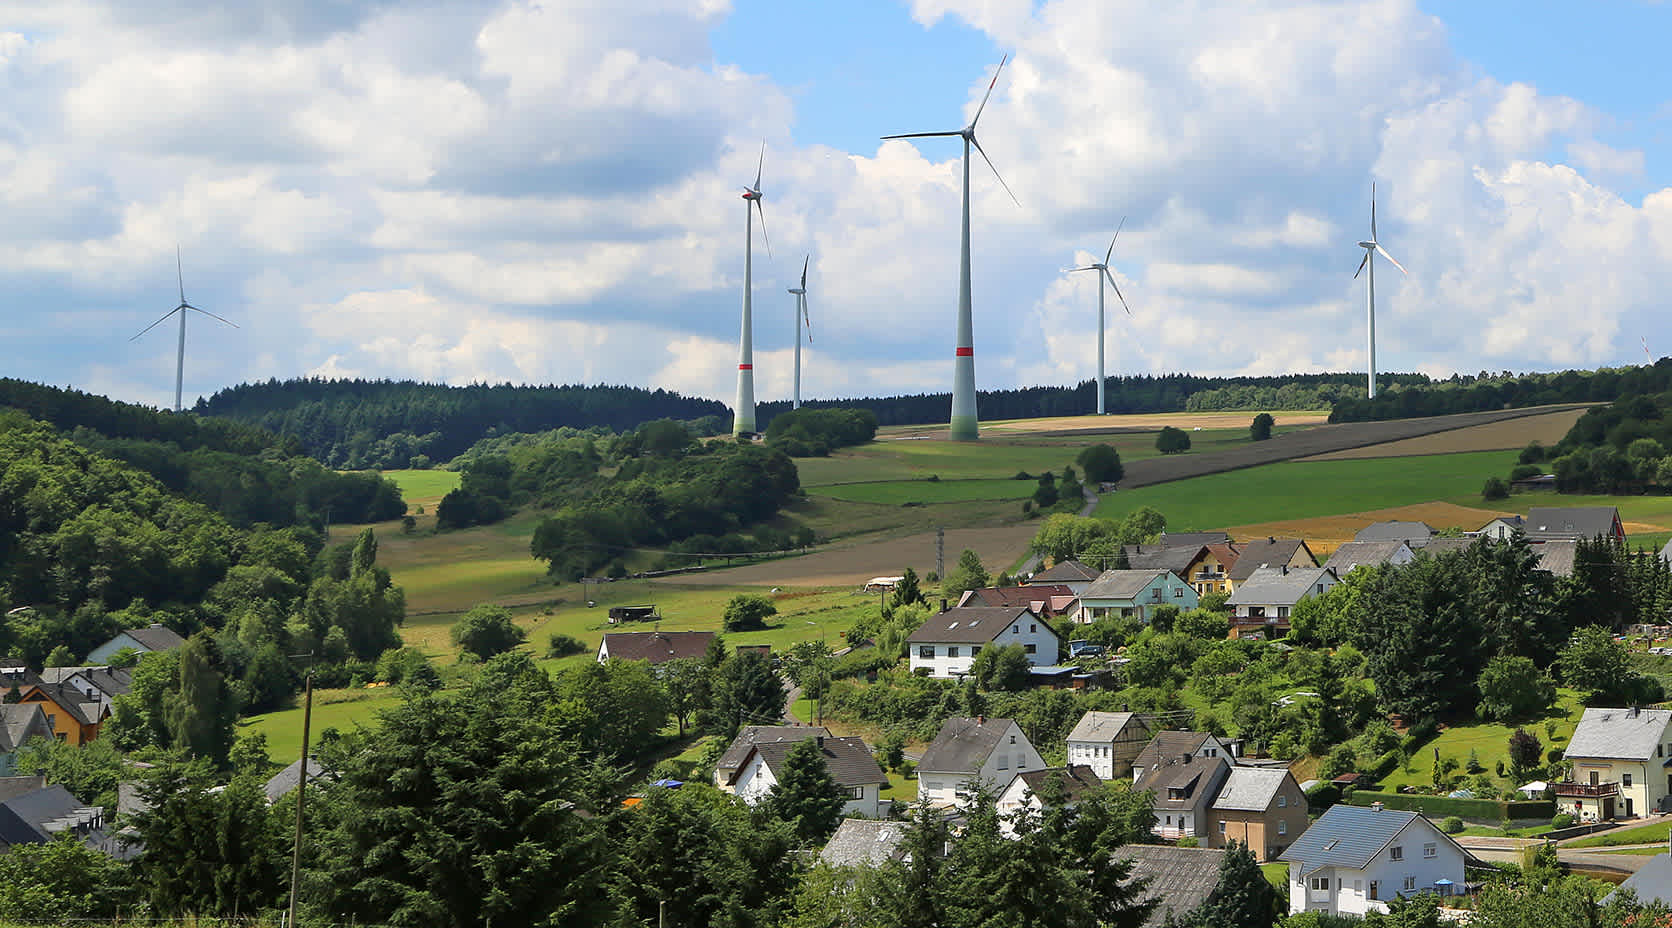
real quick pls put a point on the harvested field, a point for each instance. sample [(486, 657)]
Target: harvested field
[(1326, 533), (1310, 443), (1098, 425), (999, 546), (1549, 429)]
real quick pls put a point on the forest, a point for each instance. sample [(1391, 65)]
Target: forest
[(1484, 391)]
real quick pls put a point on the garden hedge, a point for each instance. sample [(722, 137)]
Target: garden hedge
[(1481, 810)]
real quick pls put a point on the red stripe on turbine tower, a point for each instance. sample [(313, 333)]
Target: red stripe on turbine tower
[(746, 367), (966, 352)]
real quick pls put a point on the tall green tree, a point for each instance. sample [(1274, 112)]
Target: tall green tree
[(1260, 428), (1101, 464), (970, 574), (807, 796), (746, 692), (63, 882), (1242, 896), (1597, 666), (208, 852), (486, 630)]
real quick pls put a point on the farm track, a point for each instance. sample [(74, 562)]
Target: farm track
[(1324, 439)]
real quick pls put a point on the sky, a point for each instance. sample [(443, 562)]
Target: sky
[(548, 192)]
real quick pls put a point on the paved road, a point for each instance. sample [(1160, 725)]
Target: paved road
[(1508, 850)]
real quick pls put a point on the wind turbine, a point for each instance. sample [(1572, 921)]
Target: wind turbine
[(965, 426), (743, 422), (1103, 271), (800, 314), (180, 356), (1371, 249)]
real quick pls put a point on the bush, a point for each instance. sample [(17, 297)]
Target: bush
[(487, 630), (1189, 841), (1260, 428), (1494, 488), (1172, 440), (1561, 820), (748, 612), (1523, 471), (1453, 825), (1489, 810), (1101, 464), (561, 645)]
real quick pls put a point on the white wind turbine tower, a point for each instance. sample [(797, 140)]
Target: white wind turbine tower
[(1371, 249), (1103, 272), (180, 356), (744, 421), (965, 426), (800, 314)]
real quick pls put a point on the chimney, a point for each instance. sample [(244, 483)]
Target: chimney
[(1375, 807), (1185, 758), (981, 720), (820, 740), (943, 604), (1285, 570)]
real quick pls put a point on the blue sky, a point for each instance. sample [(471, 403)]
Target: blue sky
[(547, 192)]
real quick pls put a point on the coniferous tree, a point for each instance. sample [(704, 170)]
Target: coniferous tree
[(1242, 896), (807, 796)]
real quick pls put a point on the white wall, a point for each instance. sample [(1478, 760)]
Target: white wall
[(1014, 754), (1350, 889), (1026, 631), (1099, 756)]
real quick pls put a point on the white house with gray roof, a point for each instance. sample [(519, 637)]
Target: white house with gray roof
[(1619, 761), (1261, 605), (849, 761), (1107, 742), (1573, 523), (969, 754), (1133, 594), (947, 643), (1353, 860)]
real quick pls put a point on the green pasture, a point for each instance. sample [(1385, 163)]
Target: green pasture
[(424, 487), (896, 492), (1653, 850), (1277, 874), (1640, 834), (1489, 741), (340, 709), (1310, 489)]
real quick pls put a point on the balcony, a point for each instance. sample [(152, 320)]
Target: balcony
[(1587, 790), (1173, 833)]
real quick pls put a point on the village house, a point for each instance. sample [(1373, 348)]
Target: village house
[(749, 736), (970, 754), (1268, 552), (1184, 787), (99, 684), (74, 716), (1261, 807), (1133, 594), (860, 842), (1072, 574), (1415, 534), (1262, 604), (1574, 523), (1108, 742), (19, 723), (1211, 571), (1503, 528), (1354, 859), (1617, 760), (1167, 745), (1066, 785), (34, 813), (1369, 554), (1046, 600), (848, 759), (947, 643), (657, 647), (154, 637)]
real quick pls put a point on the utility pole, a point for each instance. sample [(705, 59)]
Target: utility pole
[(940, 552), (301, 792)]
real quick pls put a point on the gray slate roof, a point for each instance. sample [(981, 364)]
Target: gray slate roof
[(19, 722), (1077, 780), (1349, 836), (1178, 878), (1272, 586), (862, 842), (156, 637), (1014, 596), (1366, 553), (1200, 775), (1260, 552), (1557, 555), (738, 751), (1251, 789), (1416, 533), (1545, 522), (1156, 557), (26, 819), (850, 763), (1065, 572), (969, 624), (110, 681), (1446, 544), (1121, 584), (1169, 744), (963, 744), (12, 787), (73, 701), (1102, 726), (1193, 539), (1652, 882), (286, 780), (1623, 734)]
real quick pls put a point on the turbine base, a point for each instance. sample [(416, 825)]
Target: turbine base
[(965, 428)]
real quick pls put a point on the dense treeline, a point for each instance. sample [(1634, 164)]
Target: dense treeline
[(396, 424), (805, 433), (1484, 391), (1618, 448), (242, 472)]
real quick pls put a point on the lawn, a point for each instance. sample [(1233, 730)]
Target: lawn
[(424, 487), (1309, 489), (1642, 834), (1652, 851), (1277, 874), (1490, 742), (340, 709), (896, 492)]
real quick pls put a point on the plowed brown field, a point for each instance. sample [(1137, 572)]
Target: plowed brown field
[(999, 547), (1549, 429)]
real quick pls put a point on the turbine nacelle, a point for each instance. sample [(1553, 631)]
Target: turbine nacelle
[(1367, 246)]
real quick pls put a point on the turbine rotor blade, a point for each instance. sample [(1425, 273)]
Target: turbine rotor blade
[(808, 317), (1070, 270), (804, 262), (994, 170), (764, 237), (180, 274), (208, 313), (157, 323), (990, 85), (922, 135), (1117, 291), (1373, 211), (1384, 253), (760, 165), (1111, 252), (1361, 264)]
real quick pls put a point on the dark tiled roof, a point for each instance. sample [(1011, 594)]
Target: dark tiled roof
[(1557, 556), (73, 701), (31, 817), (1363, 553), (1571, 522), (862, 842), (1178, 878), (1193, 539), (656, 647), (1153, 557), (1103, 726), (286, 780), (969, 624), (19, 722), (1416, 533), (1445, 544), (850, 763), (1121, 584), (738, 750), (1201, 775), (1014, 596), (156, 637), (1170, 744), (1064, 572), (1253, 555), (110, 681), (963, 744), (1349, 836), (1076, 779)]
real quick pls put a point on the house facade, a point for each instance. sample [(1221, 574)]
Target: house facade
[(18, 723), (1618, 762), (947, 643), (154, 637), (750, 735), (1503, 528), (1107, 742), (971, 753), (1210, 572), (1261, 605), (1353, 860), (1023, 794), (1262, 807), (74, 717), (848, 760), (1184, 788), (1268, 552), (1133, 594)]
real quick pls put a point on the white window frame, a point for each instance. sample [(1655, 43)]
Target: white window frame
[(1397, 852), (1429, 850)]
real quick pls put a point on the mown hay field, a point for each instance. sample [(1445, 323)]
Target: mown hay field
[(1547, 429), (1147, 422)]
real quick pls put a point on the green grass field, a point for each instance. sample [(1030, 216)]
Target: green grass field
[(424, 487), (339, 709), (1640, 834), (1652, 851), (1490, 742), (1309, 489), (895, 492), (1277, 874)]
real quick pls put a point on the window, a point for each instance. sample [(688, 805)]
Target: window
[(856, 792), (1410, 883), (1396, 853), (1032, 627), (975, 650), (1015, 629), (1222, 826), (926, 651), (1004, 761), (1034, 649), (952, 651), (1320, 884), (1169, 821), (1428, 850), (1282, 827), (1282, 802), (1625, 779), (1375, 889), (1178, 593), (1012, 739)]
